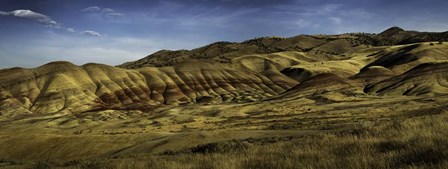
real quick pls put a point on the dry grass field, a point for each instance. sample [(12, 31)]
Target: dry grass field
[(406, 132)]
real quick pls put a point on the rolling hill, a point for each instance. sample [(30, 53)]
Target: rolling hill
[(225, 72)]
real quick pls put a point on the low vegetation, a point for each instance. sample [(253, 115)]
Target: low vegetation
[(417, 142)]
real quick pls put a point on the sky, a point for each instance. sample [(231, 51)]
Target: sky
[(35, 32)]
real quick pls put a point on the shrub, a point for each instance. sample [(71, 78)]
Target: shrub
[(45, 164), (221, 147)]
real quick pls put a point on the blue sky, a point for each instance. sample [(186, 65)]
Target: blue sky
[(34, 32)]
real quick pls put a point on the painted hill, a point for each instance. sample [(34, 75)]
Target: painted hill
[(62, 87), (325, 82)]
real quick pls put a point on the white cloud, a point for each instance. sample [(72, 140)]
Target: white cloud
[(91, 9), (45, 20), (91, 33), (33, 16), (70, 29)]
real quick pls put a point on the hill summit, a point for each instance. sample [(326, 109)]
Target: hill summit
[(391, 31)]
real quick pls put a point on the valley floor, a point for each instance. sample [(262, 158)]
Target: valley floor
[(324, 132)]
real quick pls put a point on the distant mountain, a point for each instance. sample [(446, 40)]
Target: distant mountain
[(333, 45)]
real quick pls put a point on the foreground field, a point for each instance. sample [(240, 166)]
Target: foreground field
[(399, 132), (411, 143)]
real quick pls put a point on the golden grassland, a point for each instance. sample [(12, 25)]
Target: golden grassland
[(412, 142)]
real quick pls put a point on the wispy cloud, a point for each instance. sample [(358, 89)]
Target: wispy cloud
[(45, 20), (108, 10), (115, 14), (91, 33), (102, 11), (91, 9), (329, 18), (302, 23), (2, 13), (336, 20)]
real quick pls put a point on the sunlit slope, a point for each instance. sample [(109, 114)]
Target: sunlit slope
[(301, 66), (425, 79), (402, 58)]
